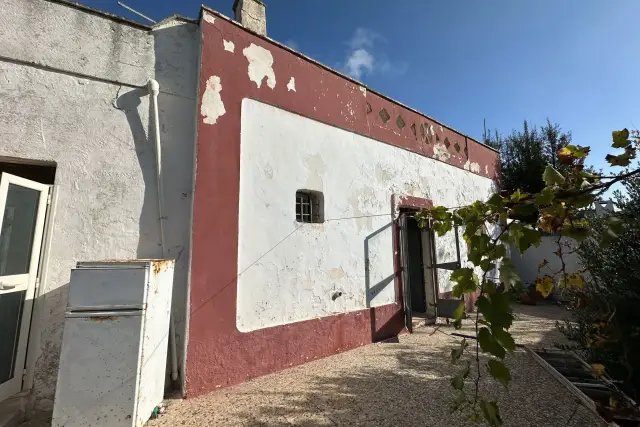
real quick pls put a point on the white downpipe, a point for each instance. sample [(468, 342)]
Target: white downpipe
[(154, 90)]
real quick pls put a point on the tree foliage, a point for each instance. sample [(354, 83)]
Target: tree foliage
[(606, 325), (525, 154), (555, 203)]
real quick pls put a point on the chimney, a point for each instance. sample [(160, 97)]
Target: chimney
[(252, 15)]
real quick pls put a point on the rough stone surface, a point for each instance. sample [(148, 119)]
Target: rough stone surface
[(252, 15), (391, 384), (98, 134)]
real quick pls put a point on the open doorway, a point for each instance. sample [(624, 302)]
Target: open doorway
[(24, 206), (422, 299), (419, 291)]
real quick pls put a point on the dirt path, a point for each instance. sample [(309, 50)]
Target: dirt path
[(390, 384)]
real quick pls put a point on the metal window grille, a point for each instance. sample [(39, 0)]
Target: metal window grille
[(308, 207)]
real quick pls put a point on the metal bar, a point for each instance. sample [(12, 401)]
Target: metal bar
[(136, 12)]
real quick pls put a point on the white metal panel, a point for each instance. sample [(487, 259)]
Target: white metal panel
[(107, 287), (97, 378), (156, 334)]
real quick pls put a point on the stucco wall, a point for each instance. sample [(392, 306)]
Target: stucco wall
[(68, 95), (527, 263), (281, 153), (237, 65)]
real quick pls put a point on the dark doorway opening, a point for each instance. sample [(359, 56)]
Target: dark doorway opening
[(416, 267), (42, 172)]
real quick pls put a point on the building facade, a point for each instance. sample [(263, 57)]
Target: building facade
[(283, 185)]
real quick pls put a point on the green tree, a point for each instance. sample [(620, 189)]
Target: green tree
[(525, 154), (519, 219)]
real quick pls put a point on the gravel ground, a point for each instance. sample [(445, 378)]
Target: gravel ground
[(404, 383)]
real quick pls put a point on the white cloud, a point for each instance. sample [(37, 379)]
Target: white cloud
[(359, 62), (362, 58)]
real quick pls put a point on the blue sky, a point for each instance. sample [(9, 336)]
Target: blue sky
[(576, 62)]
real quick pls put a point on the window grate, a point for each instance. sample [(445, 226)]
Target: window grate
[(309, 206)]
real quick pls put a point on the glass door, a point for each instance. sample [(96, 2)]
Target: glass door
[(23, 207)]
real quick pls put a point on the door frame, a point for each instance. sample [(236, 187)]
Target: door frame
[(16, 385), (401, 202)]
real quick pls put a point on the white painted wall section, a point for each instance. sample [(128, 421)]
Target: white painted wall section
[(289, 271)]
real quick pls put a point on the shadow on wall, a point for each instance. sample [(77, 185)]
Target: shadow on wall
[(176, 71), (393, 326)]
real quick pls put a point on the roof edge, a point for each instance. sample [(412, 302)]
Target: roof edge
[(101, 13), (338, 73)]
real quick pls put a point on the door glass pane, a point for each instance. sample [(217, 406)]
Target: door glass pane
[(11, 305), (18, 226)]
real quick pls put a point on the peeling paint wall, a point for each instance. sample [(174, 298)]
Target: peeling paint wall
[(68, 95), (260, 287), (281, 153)]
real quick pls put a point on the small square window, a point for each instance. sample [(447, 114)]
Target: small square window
[(309, 206)]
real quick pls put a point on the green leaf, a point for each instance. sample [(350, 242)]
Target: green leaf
[(456, 353), (516, 196), (620, 138), (499, 371), (466, 281), (477, 247), (489, 344), (552, 176), (496, 309), (545, 197), (458, 380), (459, 313), (508, 274), (496, 202), (529, 237), (504, 338), (442, 227), (491, 413), (487, 265)]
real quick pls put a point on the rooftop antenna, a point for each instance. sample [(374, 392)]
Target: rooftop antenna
[(136, 12)]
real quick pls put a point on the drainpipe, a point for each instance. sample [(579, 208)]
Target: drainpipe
[(154, 89)]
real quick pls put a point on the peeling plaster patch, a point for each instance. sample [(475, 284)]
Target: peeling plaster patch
[(212, 106), (431, 130), (229, 46), (440, 152), (486, 169), (260, 65), (363, 90), (209, 18), (291, 86), (473, 167), (441, 129)]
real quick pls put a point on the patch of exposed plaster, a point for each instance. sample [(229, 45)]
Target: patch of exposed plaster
[(472, 166), (441, 129), (291, 86), (209, 18), (260, 65), (440, 152), (363, 90), (229, 46), (431, 130), (212, 106)]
